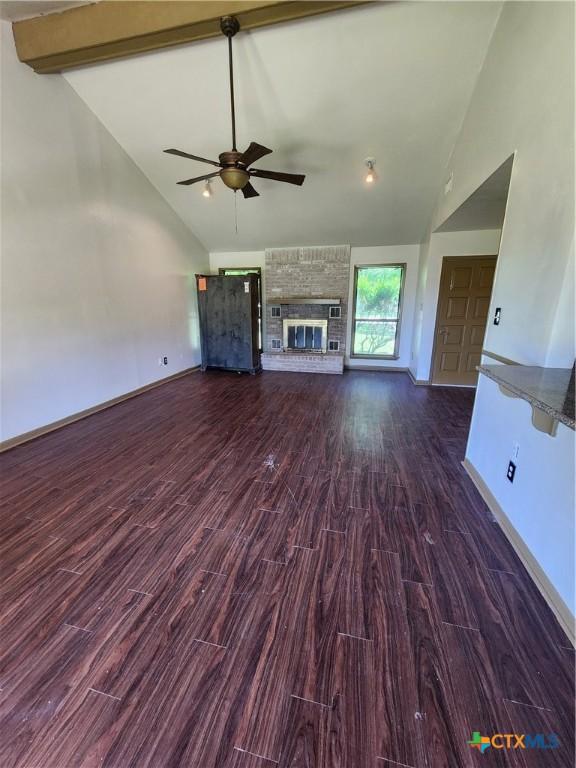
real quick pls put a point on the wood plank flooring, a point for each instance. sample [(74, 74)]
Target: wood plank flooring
[(283, 570)]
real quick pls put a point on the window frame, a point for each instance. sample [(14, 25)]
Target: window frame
[(397, 320), (239, 271)]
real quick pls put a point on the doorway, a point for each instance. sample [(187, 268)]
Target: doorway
[(463, 304), (249, 271)]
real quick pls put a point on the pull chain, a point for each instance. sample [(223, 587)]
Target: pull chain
[(236, 210)]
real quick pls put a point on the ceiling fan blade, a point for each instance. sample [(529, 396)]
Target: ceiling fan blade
[(186, 182), (192, 157), (249, 191), (289, 178), (254, 152)]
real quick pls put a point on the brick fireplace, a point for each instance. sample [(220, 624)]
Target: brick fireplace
[(306, 308)]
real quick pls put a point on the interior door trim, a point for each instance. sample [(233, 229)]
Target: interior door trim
[(437, 318)]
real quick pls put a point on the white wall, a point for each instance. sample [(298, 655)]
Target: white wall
[(484, 242), (563, 334), (540, 503), (236, 259), (408, 254), (387, 254), (97, 270), (523, 103)]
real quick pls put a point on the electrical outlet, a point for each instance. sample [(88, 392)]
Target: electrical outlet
[(497, 315), (165, 360), (511, 471)]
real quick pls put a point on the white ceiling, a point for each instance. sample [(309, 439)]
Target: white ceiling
[(16, 10), (389, 80)]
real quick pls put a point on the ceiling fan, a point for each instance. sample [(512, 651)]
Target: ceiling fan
[(235, 166)]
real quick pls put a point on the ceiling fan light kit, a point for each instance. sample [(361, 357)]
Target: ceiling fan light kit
[(370, 177), (232, 174), (235, 170)]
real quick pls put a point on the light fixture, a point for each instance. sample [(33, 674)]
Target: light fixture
[(234, 178), (370, 177), (207, 191)]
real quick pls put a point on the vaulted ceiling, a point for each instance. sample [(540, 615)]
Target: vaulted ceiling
[(387, 80), (15, 10)]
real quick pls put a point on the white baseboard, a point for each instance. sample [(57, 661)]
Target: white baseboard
[(540, 579), (417, 382), (375, 368), (12, 442)]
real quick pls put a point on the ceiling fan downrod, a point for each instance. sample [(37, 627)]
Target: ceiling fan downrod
[(230, 26), (235, 168)]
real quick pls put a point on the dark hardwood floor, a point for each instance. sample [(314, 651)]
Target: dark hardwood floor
[(283, 570)]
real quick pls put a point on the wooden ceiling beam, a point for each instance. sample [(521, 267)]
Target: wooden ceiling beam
[(114, 29)]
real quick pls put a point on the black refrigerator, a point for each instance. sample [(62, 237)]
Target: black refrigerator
[(228, 310)]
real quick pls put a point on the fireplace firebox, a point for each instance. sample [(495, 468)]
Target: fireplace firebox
[(302, 335)]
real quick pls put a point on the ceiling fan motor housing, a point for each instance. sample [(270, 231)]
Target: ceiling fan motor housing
[(234, 176)]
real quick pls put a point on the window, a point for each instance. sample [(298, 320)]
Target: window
[(249, 271), (240, 271), (377, 309), (335, 313)]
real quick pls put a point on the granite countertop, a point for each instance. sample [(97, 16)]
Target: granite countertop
[(550, 389)]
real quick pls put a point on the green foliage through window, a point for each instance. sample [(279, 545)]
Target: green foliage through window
[(377, 310)]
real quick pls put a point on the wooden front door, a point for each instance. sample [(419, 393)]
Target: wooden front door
[(463, 302)]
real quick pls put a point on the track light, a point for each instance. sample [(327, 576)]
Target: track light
[(370, 177), (207, 191)]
